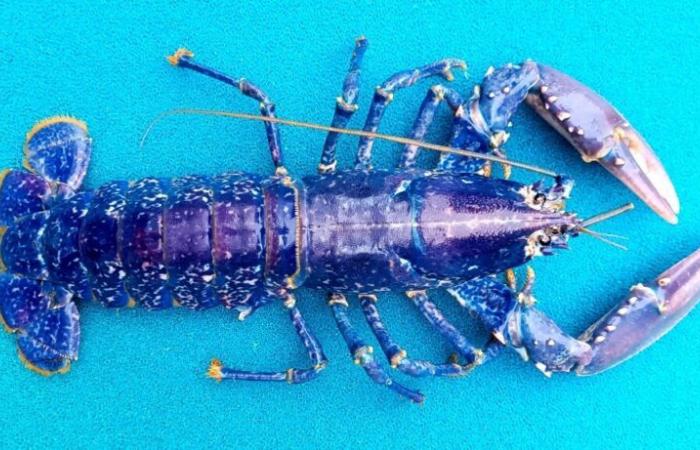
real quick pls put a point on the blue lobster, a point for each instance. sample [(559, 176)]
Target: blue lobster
[(244, 241)]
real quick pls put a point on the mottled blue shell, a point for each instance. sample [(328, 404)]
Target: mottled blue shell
[(21, 194), (58, 149), (23, 301), (100, 247), (188, 243), (22, 249)]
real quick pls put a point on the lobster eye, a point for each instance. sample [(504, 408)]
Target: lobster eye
[(539, 199), (544, 239)]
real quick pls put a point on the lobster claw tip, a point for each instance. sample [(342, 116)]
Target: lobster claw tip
[(647, 314), (600, 133), (632, 161)]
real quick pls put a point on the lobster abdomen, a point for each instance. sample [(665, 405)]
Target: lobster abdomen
[(193, 241)]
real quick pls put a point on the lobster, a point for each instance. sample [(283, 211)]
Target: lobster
[(245, 241)]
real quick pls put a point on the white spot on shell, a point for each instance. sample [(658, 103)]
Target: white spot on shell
[(543, 368), (563, 115)]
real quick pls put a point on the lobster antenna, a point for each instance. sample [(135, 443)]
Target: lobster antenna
[(607, 215), (350, 131)]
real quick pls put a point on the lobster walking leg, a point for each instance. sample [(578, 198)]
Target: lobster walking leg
[(426, 114), (384, 93), (492, 350), (345, 106), (468, 133), (183, 58), (472, 355), (395, 354), (292, 376), (362, 353)]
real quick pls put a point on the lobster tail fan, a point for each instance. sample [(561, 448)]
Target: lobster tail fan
[(56, 155), (47, 326), (43, 317), (21, 193), (58, 149)]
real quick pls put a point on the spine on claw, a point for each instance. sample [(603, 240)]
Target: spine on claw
[(644, 316)]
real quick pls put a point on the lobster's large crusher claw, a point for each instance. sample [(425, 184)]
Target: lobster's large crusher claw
[(644, 316), (600, 133)]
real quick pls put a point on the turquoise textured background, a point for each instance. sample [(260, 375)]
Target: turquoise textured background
[(140, 382)]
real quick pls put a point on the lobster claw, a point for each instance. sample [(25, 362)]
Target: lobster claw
[(643, 317), (600, 133), (537, 338)]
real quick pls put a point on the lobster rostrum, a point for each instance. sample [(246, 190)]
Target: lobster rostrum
[(244, 241)]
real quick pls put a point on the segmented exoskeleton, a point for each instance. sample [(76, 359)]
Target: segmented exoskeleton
[(243, 240)]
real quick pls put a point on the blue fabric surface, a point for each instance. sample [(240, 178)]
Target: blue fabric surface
[(140, 379)]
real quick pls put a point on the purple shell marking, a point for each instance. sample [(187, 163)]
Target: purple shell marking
[(600, 133), (244, 241)]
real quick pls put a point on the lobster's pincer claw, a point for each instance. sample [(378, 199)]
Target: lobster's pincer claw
[(643, 317), (537, 338), (600, 133)]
